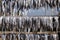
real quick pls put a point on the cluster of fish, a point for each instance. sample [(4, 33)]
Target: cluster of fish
[(19, 7), (30, 36), (30, 24)]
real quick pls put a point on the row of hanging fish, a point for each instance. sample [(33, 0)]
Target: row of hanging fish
[(31, 3), (30, 24), (30, 36), (18, 7)]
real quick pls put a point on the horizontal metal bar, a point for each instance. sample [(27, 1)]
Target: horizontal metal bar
[(7, 32)]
